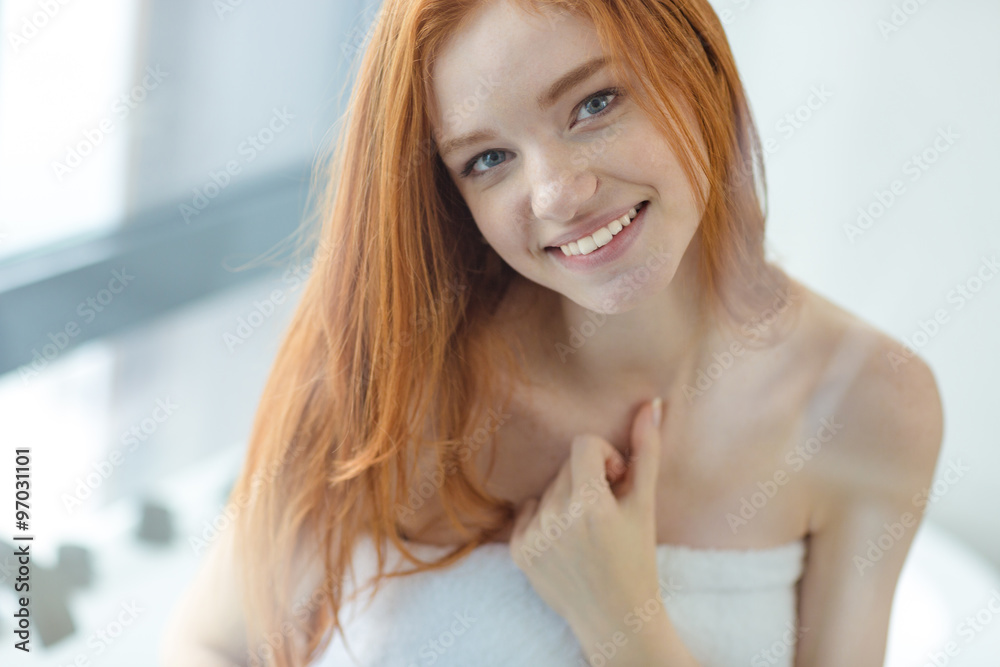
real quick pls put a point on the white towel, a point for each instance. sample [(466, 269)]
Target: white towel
[(729, 606)]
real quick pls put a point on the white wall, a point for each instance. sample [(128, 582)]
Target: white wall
[(888, 94)]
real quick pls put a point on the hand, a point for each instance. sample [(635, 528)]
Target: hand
[(590, 553)]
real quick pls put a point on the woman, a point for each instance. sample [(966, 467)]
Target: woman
[(540, 217)]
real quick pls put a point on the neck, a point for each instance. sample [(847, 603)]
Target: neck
[(649, 348)]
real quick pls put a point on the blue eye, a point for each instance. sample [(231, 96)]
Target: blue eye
[(472, 163), (616, 92)]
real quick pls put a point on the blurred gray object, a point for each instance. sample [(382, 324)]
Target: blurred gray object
[(156, 524), (76, 565)]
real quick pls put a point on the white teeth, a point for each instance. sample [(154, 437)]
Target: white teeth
[(601, 237)]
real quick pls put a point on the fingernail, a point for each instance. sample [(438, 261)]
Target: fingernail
[(657, 411)]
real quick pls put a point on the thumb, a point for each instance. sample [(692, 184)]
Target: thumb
[(644, 457)]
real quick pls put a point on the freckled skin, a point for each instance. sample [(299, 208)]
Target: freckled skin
[(561, 165), (534, 188)]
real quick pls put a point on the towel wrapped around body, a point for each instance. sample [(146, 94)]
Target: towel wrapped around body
[(729, 606)]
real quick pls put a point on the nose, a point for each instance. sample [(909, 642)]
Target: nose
[(559, 184)]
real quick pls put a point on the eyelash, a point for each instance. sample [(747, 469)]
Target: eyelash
[(617, 92)]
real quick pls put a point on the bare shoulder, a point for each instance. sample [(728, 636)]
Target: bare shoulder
[(867, 483), (884, 399)]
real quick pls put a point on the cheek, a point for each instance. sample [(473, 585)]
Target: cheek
[(641, 155), (610, 146), (497, 232), (659, 165), (494, 214)]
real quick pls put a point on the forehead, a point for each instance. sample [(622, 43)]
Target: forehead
[(501, 58)]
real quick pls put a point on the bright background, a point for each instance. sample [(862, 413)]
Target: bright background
[(225, 75)]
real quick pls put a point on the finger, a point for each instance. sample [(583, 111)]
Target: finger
[(592, 458), (555, 498), (644, 463), (616, 467)]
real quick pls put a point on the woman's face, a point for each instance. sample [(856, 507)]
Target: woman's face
[(562, 161)]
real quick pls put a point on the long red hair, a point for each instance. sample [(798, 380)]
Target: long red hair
[(390, 351)]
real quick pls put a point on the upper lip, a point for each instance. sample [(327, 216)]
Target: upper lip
[(589, 226)]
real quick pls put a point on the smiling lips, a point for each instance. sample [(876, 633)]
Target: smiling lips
[(603, 236)]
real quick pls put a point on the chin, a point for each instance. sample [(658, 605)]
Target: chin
[(620, 298)]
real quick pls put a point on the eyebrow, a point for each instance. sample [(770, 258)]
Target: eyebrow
[(563, 84)]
